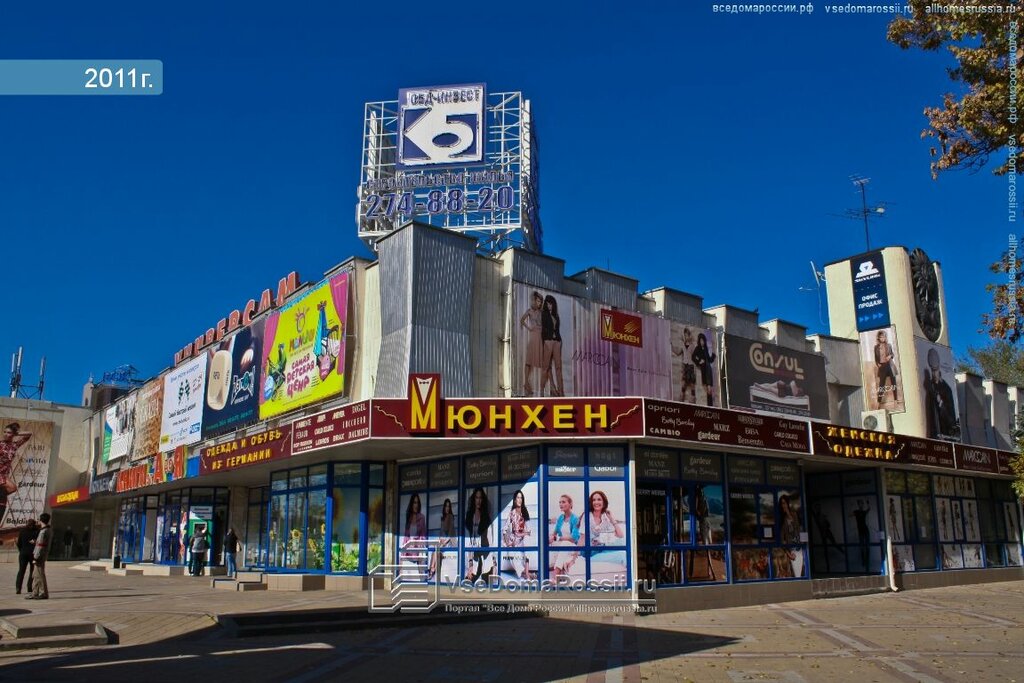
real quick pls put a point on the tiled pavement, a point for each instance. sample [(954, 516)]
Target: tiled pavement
[(967, 633)]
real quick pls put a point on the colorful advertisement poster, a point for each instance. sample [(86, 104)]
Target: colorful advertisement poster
[(25, 447), (695, 365), (182, 413), (232, 381), (149, 404), (119, 428), (881, 370), (303, 357), (543, 343), (941, 411), (768, 378)]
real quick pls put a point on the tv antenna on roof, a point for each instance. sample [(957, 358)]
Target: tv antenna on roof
[(865, 212)]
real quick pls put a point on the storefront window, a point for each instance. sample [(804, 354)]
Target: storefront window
[(586, 521), (316, 528), (278, 534), (296, 543), (766, 519), (845, 523)]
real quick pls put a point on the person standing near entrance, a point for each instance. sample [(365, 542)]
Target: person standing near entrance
[(199, 548), (69, 542), (230, 548), (26, 544), (40, 591)]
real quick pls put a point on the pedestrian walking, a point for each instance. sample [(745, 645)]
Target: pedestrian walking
[(199, 548), (40, 591), (230, 548), (69, 543), (26, 544)]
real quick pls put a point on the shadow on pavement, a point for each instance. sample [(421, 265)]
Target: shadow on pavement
[(528, 650)]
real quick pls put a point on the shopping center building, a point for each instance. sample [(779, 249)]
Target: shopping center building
[(529, 425)]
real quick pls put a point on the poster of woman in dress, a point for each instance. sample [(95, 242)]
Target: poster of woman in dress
[(880, 369), (519, 530), (478, 532), (944, 519), (543, 343), (443, 527), (894, 519), (606, 529), (971, 527)]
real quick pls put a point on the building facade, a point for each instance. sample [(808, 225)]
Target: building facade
[(530, 426)]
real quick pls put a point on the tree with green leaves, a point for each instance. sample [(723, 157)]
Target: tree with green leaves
[(979, 120), (1001, 361)]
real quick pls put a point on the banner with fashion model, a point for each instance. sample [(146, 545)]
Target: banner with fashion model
[(149, 403), (695, 365), (303, 359), (25, 447), (232, 381), (881, 370), (119, 428), (182, 412), (941, 410), (768, 378), (543, 343)]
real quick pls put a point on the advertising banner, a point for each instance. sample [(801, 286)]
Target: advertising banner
[(543, 343), (870, 298), (119, 428), (882, 371), (617, 353), (695, 365), (644, 368), (303, 359), (149, 404), (678, 421), (767, 378), (25, 447), (252, 449), (331, 428), (232, 382), (182, 411), (941, 410)]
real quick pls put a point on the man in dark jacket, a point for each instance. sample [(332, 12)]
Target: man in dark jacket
[(26, 544)]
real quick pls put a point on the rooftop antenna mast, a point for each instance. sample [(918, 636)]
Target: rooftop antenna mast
[(865, 212), (18, 389)]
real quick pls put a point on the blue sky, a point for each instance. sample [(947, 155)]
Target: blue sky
[(686, 148)]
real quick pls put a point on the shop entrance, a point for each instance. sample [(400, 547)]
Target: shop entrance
[(136, 530)]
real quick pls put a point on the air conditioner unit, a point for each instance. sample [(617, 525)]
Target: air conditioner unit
[(875, 420)]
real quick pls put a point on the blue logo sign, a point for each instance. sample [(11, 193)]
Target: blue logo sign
[(441, 125), (870, 297)]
